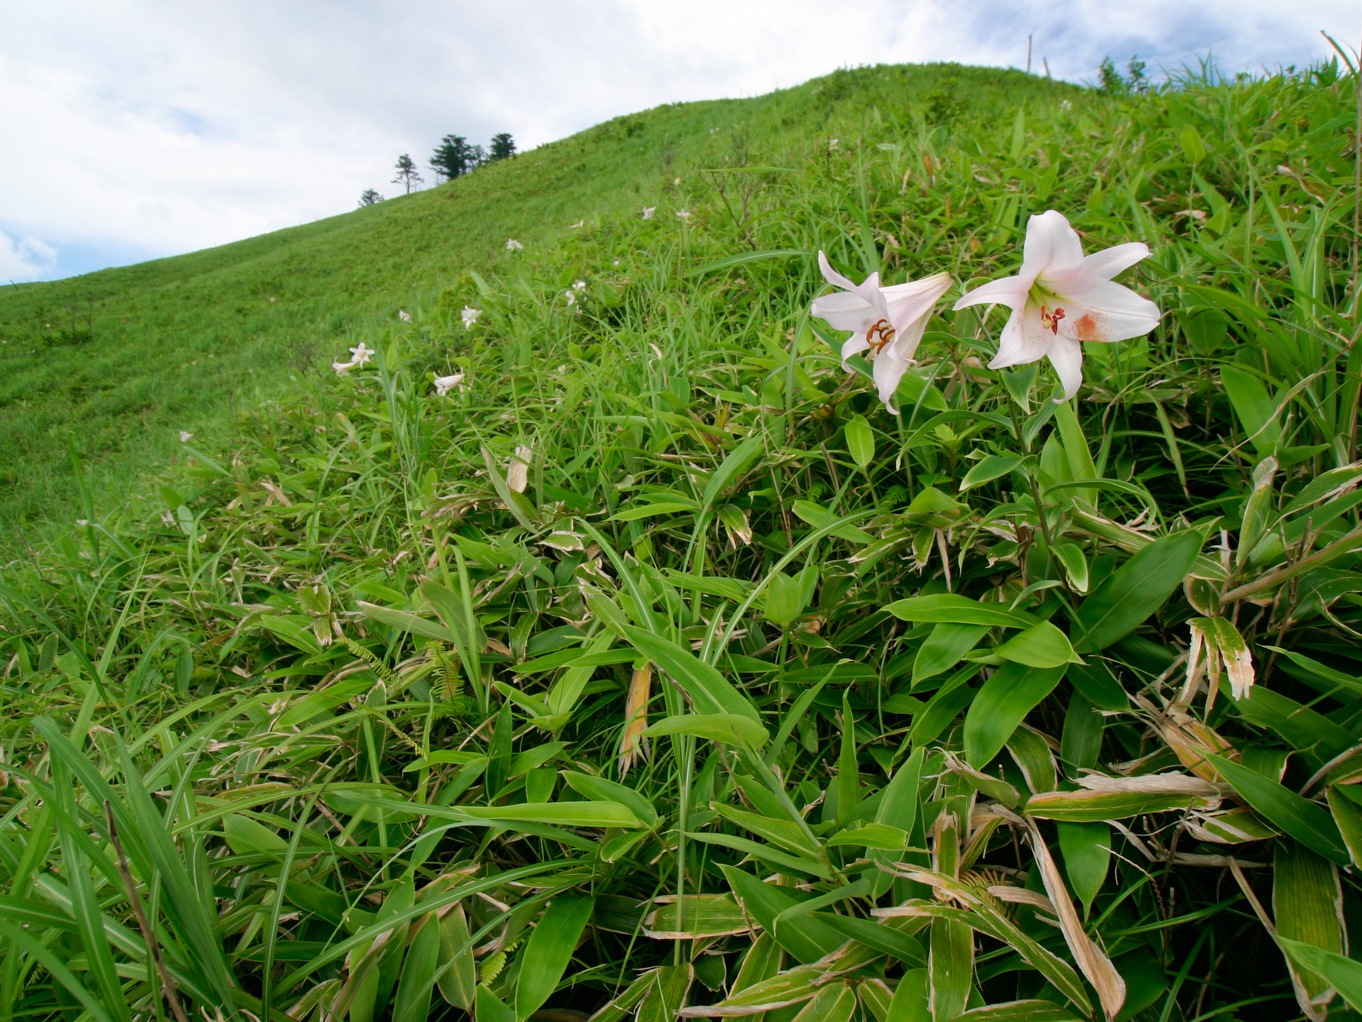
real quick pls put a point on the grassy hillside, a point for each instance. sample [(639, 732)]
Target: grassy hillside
[(117, 363), (619, 654)]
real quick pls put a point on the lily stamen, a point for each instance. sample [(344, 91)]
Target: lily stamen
[(879, 335), (1051, 321)]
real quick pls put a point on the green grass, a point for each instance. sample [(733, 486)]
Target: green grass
[(334, 717)]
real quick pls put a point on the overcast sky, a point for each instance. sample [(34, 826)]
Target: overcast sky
[(134, 129)]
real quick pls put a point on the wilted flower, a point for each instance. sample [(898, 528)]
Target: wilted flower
[(1062, 298), (648, 212), (404, 315), (470, 316), (361, 354), (886, 322), (443, 384), (513, 246)]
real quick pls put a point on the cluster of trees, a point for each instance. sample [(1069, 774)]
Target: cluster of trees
[(453, 157)]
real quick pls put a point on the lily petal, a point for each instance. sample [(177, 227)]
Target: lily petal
[(1052, 249), (1108, 312), (1023, 340), (1067, 358), (1106, 264), (1009, 291), (887, 372)]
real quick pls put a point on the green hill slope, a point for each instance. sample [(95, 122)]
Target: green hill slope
[(116, 363), (620, 652)]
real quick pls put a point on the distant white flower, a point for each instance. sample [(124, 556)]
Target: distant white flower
[(361, 354), (513, 246), (470, 316), (271, 299), (577, 224), (185, 436), (832, 145), (517, 471), (1062, 299), (886, 322), (677, 182), (571, 297), (683, 214), (343, 367), (443, 384), (648, 212), (579, 286), (404, 315)]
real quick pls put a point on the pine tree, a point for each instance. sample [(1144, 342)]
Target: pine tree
[(452, 157), (407, 174), (368, 197), (503, 146)]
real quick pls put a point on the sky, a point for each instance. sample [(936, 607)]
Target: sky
[(137, 129)]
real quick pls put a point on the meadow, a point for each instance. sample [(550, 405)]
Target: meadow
[(600, 648)]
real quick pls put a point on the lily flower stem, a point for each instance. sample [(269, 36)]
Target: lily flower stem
[(1033, 484)]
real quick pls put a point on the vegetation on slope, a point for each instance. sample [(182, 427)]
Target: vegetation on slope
[(654, 666)]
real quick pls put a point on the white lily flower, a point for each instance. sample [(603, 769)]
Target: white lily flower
[(470, 316), (648, 212), (361, 354), (404, 315), (444, 384), (186, 436), (683, 214), (886, 322), (513, 246), (571, 297), (343, 367), (1062, 299)]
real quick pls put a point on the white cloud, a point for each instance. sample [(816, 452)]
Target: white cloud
[(24, 259)]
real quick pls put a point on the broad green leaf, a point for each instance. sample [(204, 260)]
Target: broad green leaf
[(1297, 816), (999, 707), (1019, 1011), (696, 916), (600, 789), (1342, 973), (1086, 849), (960, 610), (728, 728), (835, 1002), (950, 968), (860, 441), (1348, 816), (458, 978), (944, 647), (709, 690), (417, 978), (988, 468), (733, 466), (549, 951), (664, 998), (808, 939), (1136, 590), (1306, 904), (1256, 409), (1099, 806), (1041, 645)]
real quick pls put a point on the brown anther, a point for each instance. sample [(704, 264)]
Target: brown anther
[(878, 336), (1050, 321)]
